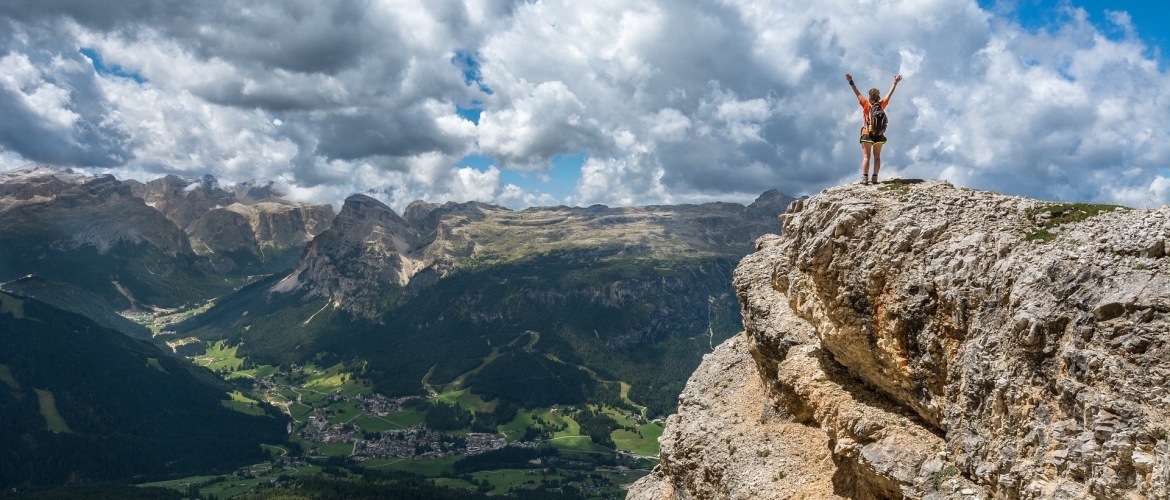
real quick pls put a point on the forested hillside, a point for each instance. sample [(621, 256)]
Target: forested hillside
[(83, 403)]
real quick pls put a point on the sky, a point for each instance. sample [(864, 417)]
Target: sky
[(630, 102)]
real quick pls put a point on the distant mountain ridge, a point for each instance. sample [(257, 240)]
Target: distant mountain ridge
[(370, 254), (101, 235), (249, 225)]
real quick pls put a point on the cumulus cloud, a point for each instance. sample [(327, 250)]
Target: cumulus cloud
[(668, 101)]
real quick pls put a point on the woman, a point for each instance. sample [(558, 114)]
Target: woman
[(871, 140)]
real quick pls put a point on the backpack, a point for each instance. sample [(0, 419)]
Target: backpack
[(877, 119)]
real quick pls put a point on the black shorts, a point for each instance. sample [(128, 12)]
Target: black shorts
[(873, 138)]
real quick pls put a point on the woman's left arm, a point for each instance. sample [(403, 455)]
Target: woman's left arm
[(890, 94)]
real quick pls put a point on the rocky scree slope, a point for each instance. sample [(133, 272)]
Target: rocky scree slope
[(909, 341)]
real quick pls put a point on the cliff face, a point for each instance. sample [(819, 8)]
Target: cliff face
[(935, 352), (248, 227), (362, 261)]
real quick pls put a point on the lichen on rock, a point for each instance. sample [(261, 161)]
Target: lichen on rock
[(941, 351)]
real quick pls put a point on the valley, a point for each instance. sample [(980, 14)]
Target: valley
[(338, 421)]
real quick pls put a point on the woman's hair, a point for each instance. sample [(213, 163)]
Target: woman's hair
[(875, 95)]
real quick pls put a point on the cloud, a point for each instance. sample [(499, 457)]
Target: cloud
[(668, 101)]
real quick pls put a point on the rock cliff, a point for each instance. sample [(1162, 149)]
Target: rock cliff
[(922, 341), (247, 227)]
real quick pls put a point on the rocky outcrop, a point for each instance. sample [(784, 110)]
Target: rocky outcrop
[(943, 343), (362, 261), (248, 227)]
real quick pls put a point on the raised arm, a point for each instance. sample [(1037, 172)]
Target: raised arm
[(892, 87), (849, 78)]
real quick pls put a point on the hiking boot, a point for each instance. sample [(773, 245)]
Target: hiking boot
[(864, 179), (873, 179)]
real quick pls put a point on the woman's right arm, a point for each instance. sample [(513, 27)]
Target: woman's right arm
[(849, 78)]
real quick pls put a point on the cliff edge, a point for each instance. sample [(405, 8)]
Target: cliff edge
[(915, 340)]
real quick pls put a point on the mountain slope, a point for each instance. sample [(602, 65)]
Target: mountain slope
[(83, 403), (93, 233), (75, 300)]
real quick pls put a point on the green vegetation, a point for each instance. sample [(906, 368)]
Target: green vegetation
[(73, 299), (243, 404), (943, 474), (48, 405), (548, 321), (597, 425), (896, 188), (336, 449), (1049, 216), (643, 441), (220, 357), (103, 492), (128, 418), (11, 305), (6, 377), (153, 363)]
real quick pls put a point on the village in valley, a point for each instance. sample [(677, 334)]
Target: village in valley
[(338, 422)]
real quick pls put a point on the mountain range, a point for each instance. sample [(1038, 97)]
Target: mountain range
[(535, 308)]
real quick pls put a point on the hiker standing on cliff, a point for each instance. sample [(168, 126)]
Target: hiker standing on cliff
[(873, 133)]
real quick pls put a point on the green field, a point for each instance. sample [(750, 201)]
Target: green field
[(504, 479), (7, 378), (345, 412), (646, 445), (577, 443), (466, 400), (259, 371), (514, 430), (430, 468), (53, 420), (243, 404), (153, 363), (220, 357), (333, 379), (450, 482), (336, 449)]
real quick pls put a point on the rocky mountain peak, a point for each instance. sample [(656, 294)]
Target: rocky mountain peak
[(368, 254), (936, 343)]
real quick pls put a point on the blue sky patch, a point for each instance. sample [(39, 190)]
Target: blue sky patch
[(469, 65), (1149, 17), (478, 162), (559, 181), (470, 113), (114, 69)]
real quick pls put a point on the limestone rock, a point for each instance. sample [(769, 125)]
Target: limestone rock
[(942, 354)]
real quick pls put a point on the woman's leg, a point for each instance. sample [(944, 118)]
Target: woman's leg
[(877, 158), (865, 150)]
